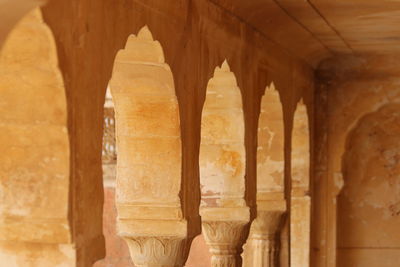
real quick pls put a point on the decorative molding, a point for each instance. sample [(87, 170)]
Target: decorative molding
[(157, 250)]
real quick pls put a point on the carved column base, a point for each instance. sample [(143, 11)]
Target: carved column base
[(225, 239), (155, 251)]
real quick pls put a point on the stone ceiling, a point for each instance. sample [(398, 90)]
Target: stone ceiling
[(318, 29)]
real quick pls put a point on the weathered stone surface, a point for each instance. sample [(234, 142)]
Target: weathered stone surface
[(369, 199), (222, 168), (262, 246), (354, 88), (222, 154), (148, 184), (196, 36), (300, 204), (35, 152)]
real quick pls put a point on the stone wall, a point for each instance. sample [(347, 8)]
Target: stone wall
[(352, 90)]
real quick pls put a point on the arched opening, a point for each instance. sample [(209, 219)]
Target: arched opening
[(300, 210), (270, 149), (222, 151), (368, 205), (35, 168), (262, 247), (222, 169), (148, 182)]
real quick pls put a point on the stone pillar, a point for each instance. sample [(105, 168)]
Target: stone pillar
[(262, 246), (150, 216), (222, 167)]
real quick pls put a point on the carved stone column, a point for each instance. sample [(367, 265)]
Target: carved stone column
[(262, 247)]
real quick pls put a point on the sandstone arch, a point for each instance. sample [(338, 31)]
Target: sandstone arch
[(300, 210), (35, 168), (222, 168), (150, 216), (262, 247)]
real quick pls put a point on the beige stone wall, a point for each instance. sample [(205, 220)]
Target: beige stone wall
[(368, 205), (353, 89)]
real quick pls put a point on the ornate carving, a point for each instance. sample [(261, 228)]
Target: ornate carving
[(157, 251), (225, 239)]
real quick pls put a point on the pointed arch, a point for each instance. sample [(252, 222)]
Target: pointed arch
[(300, 154), (149, 148), (35, 171), (270, 149), (222, 151), (300, 210), (262, 247), (222, 169), (148, 126)]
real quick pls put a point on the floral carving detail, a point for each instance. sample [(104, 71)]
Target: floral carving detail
[(224, 231), (157, 251), (225, 239)]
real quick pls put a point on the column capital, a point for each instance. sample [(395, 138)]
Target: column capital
[(225, 239), (157, 251)]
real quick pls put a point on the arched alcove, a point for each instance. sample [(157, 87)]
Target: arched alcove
[(270, 149), (262, 246), (222, 151), (222, 168), (300, 210), (35, 157), (368, 205), (148, 128), (149, 154)]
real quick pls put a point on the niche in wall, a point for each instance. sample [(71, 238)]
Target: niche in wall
[(369, 204)]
